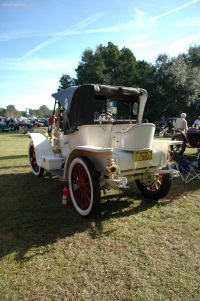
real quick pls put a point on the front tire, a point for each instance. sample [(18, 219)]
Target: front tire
[(84, 186), (159, 188), (36, 170)]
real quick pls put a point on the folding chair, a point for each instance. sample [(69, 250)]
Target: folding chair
[(188, 169)]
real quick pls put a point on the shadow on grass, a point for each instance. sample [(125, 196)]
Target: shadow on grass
[(32, 215), (14, 157)]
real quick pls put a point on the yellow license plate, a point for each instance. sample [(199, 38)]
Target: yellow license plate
[(142, 155)]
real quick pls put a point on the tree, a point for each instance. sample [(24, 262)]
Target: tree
[(176, 85), (65, 82), (193, 56), (107, 65), (44, 112), (126, 71), (91, 67), (2, 112), (10, 112)]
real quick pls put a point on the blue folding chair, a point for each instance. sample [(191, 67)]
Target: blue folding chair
[(188, 168)]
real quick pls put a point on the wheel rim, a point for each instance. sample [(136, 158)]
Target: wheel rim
[(33, 160), (81, 186), (179, 148), (157, 184)]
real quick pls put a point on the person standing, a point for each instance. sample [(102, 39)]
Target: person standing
[(181, 123), (197, 123), (163, 121)]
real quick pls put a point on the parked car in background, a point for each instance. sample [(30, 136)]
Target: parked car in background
[(165, 130), (25, 124), (3, 126), (12, 123), (37, 123), (2, 121), (44, 121)]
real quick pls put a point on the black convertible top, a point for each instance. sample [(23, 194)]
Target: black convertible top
[(77, 102)]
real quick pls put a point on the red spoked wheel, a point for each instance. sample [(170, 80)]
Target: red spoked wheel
[(84, 186), (158, 188), (37, 170)]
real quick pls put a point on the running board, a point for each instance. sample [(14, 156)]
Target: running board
[(58, 172)]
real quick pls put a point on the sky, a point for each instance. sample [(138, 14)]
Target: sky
[(40, 40)]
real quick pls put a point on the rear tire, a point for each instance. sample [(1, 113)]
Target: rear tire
[(159, 188), (84, 186)]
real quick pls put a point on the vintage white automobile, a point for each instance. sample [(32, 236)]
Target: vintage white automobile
[(98, 141)]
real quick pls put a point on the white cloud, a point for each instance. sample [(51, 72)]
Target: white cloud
[(142, 41), (116, 28), (14, 35), (75, 30), (36, 64), (174, 10), (62, 34), (140, 19), (189, 23), (144, 46), (182, 45)]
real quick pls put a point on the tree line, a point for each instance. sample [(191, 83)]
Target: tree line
[(173, 84), (11, 111)]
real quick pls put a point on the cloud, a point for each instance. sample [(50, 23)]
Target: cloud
[(174, 10), (11, 35), (14, 35), (12, 64), (180, 46), (77, 29), (141, 41), (140, 17), (189, 23), (116, 28), (62, 34), (59, 35)]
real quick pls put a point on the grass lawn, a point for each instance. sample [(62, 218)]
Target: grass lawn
[(135, 249)]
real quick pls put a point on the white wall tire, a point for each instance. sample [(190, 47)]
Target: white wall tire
[(84, 186)]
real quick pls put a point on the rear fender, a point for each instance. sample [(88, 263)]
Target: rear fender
[(97, 156)]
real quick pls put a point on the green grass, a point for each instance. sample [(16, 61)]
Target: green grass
[(135, 249)]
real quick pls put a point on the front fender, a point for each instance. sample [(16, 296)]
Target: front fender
[(42, 146)]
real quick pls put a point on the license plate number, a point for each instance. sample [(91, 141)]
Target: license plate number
[(142, 155)]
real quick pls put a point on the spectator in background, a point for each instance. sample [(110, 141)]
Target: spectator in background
[(197, 123), (163, 121), (51, 120), (181, 123)]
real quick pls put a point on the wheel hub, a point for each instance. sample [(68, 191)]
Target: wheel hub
[(76, 187), (148, 179)]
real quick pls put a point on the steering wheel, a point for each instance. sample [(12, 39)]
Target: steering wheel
[(104, 116)]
